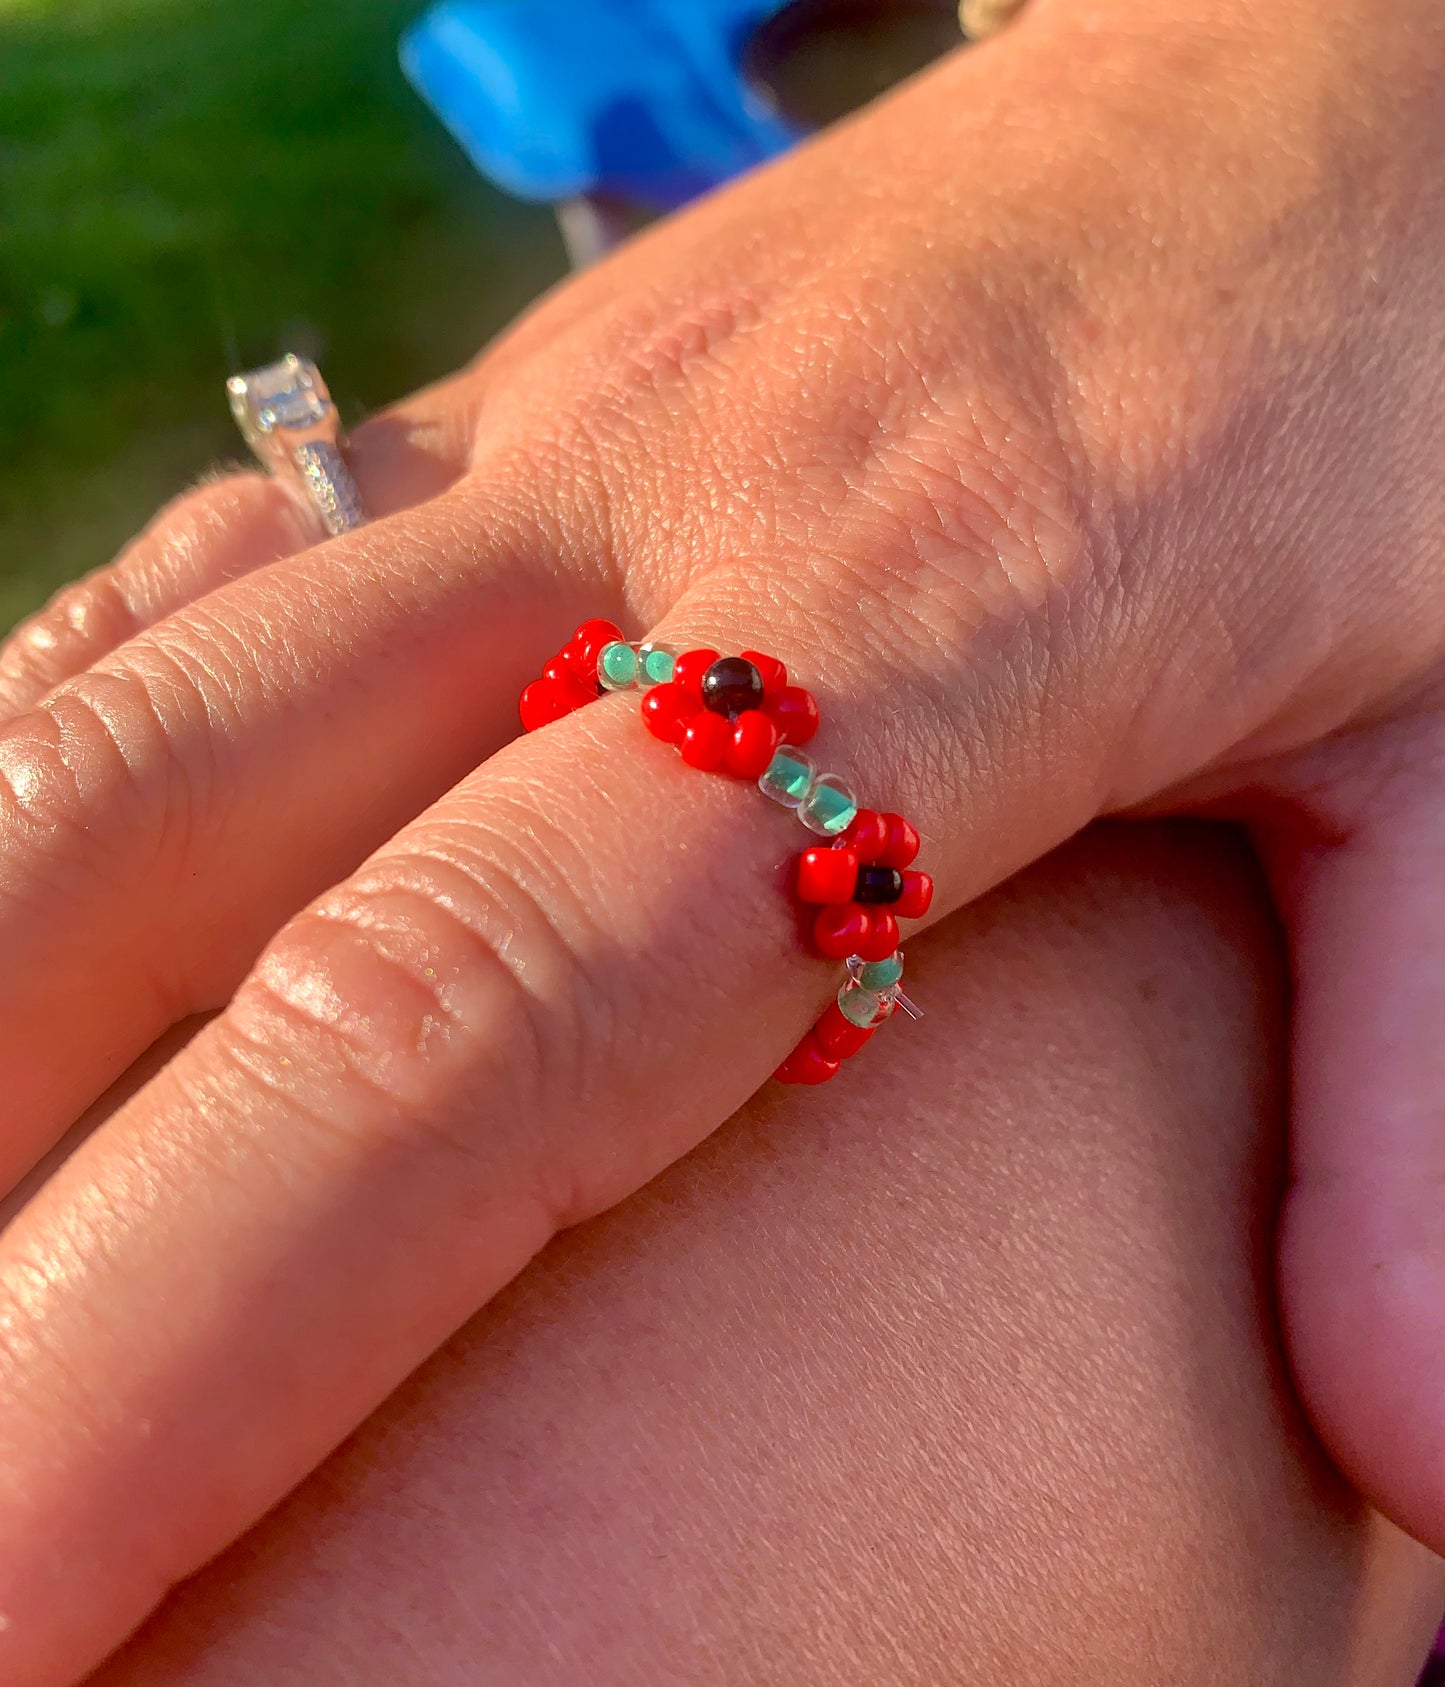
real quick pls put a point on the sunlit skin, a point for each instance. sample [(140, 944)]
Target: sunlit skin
[(961, 1372), (1069, 424)]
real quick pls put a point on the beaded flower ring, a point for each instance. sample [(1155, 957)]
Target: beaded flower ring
[(738, 715)]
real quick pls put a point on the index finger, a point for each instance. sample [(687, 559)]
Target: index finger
[(541, 993)]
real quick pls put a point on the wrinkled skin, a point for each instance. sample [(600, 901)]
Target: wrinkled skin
[(961, 1370), (1069, 423)]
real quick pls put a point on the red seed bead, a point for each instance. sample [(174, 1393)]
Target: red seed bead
[(903, 842), (544, 701), (807, 1064), (667, 709), (840, 1038), (775, 675), (917, 896), (705, 741), (867, 836), (881, 938), (752, 746), (563, 672), (841, 931), (586, 646), (795, 712), (826, 876), (592, 635), (689, 668)]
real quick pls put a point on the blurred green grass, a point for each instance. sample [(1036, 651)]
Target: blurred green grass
[(192, 186)]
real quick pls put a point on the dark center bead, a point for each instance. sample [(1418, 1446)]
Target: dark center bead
[(878, 884), (732, 685)]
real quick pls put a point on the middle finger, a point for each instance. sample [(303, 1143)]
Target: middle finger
[(164, 812)]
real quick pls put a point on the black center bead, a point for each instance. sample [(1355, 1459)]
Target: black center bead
[(732, 685), (878, 884)]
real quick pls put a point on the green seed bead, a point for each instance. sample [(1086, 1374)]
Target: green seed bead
[(863, 1008), (829, 808), (617, 667), (879, 975), (788, 777), (655, 664)]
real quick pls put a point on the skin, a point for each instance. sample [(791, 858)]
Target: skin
[(963, 1369), (1081, 460)]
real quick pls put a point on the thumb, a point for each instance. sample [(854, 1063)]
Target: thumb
[(1357, 870)]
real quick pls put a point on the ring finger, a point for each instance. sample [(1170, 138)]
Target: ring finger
[(225, 528)]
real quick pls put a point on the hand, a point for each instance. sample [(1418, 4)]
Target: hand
[(1069, 425)]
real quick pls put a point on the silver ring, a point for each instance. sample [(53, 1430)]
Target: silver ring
[(286, 416)]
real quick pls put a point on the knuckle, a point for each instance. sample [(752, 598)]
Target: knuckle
[(632, 414), (81, 622), (653, 345), (94, 773), (959, 528), (986, 532), (947, 549), (39, 790), (209, 535), (664, 344), (433, 1003)]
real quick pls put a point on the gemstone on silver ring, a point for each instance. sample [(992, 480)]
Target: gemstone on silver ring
[(286, 416)]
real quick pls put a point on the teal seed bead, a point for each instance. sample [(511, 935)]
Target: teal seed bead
[(864, 1008), (880, 975), (829, 807), (655, 664), (617, 667), (788, 777)]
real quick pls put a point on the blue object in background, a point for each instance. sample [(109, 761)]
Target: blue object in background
[(637, 100)]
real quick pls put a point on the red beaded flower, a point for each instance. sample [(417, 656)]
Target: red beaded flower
[(862, 885), (570, 679), (728, 714)]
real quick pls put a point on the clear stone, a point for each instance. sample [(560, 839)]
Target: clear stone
[(287, 394), (295, 409)]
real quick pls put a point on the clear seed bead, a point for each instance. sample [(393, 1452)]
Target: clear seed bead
[(788, 777), (865, 1008), (617, 667), (829, 807), (654, 664)]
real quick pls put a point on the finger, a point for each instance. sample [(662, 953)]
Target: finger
[(1362, 1252), (248, 722), (261, 741), (138, 1074), (701, 1329), (541, 992), (210, 535), (248, 751), (484, 1036), (221, 531)]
